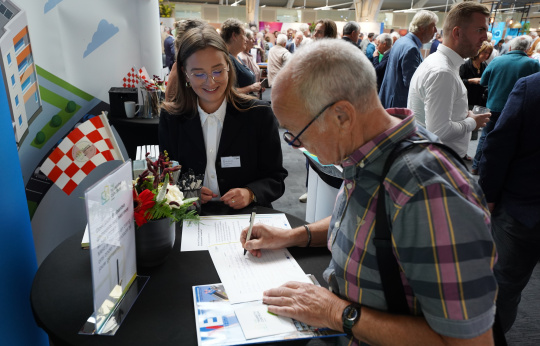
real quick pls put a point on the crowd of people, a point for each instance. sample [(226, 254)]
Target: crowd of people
[(462, 249)]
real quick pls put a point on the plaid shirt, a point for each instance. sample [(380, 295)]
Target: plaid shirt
[(440, 233)]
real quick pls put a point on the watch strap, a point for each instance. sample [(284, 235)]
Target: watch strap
[(350, 321)]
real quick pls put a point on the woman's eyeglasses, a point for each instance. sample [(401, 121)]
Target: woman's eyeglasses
[(202, 77)]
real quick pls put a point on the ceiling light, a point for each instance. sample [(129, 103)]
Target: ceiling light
[(326, 8)]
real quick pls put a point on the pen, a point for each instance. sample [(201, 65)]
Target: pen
[(251, 221)]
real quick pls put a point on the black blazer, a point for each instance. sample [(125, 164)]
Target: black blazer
[(252, 135)]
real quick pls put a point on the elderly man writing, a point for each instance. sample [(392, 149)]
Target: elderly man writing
[(446, 259)]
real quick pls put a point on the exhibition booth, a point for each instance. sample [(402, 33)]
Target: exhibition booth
[(69, 64)]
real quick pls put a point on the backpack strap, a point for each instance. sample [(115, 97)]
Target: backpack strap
[(394, 291)]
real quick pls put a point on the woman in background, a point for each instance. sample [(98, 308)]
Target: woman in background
[(247, 58), (267, 46), (471, 72), (213, 129), (233, 33)]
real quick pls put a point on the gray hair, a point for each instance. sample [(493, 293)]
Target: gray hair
[(343, 73), (281, 39), (521, 43), (422, 19), (350, 27), (396, 35), (533, 34), (304, 27), (386, 38), (249, 34)]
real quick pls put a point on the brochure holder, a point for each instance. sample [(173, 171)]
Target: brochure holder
[(115, 284), (113, 320)]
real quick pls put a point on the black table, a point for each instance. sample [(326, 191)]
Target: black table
[(163, 314)]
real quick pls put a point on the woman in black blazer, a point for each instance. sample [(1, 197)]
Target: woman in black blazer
[(248, 165)]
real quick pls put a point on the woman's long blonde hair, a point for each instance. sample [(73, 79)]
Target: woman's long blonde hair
[(194, 40)]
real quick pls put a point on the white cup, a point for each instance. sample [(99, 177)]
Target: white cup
[(480, 110), (130, 106)]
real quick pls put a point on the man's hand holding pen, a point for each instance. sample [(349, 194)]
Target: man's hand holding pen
[(266, 237)]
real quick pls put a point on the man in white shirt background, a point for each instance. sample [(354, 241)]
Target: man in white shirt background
[(437, 95)]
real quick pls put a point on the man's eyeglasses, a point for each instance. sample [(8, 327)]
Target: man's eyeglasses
[(295, 141), (202, 77)]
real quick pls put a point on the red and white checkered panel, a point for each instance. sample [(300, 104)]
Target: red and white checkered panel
[(131, 80), (91, 146), (145, 79)]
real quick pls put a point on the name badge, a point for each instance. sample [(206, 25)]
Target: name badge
[(230, 161)]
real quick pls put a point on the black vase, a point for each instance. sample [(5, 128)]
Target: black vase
[(154, 242)]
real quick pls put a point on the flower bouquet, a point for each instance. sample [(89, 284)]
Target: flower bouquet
[(156, 196), (158, 205), (159, 83)]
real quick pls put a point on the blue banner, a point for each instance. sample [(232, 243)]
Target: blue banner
[(497, 31), (17, 255)]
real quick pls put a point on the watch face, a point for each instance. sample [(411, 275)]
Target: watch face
[(351, 313)]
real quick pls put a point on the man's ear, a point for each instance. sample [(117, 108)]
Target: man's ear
[(344, 111), (456, 32)]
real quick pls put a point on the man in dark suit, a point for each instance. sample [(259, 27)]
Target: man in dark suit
[(168, 46), (351, 31), (380, 57), (436, 41), (509, 171), (405, 59), (295, 44)]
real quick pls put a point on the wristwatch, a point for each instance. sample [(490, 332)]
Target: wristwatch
[(351, 315)]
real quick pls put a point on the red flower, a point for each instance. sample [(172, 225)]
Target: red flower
[(143, 202)]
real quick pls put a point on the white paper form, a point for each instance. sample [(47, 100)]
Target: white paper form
[(246, 277), (221, 229), (257, 322)]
